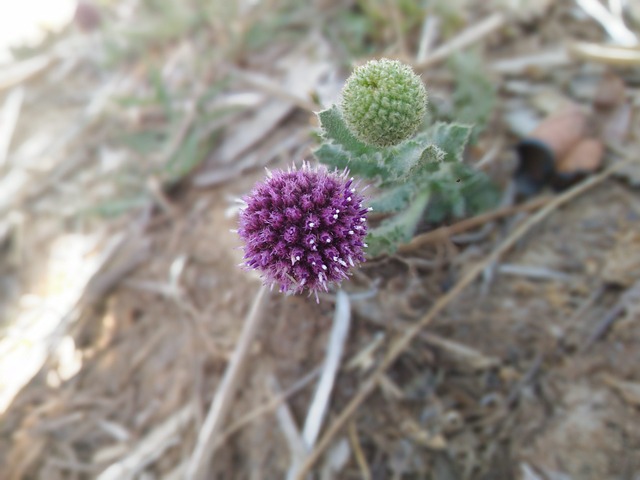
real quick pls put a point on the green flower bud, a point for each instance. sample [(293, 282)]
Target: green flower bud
[(383, 102)]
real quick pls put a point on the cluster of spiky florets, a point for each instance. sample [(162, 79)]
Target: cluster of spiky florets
[(303, 229), (383, 102)]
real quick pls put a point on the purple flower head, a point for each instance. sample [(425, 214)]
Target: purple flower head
[(304, 229)]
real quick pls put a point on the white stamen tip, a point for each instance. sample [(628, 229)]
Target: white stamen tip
[(348, 199), (350, 232), (366, 245), (297, 257), (311, 224), (324, 267), (335, 216)]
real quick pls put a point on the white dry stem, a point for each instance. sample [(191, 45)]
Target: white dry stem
[(225, 394), (614, 26), (337, 340)]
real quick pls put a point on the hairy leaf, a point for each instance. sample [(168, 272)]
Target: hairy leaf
[(343, 150), (393, 199), (333, 155), (397, 229), (452, 138), (335, 130)]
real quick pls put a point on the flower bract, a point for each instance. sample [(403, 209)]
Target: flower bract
[(383, 102)]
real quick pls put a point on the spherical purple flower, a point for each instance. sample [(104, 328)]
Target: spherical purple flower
[(304, 229)]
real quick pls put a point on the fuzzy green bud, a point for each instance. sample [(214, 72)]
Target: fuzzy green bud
[(383, 102)]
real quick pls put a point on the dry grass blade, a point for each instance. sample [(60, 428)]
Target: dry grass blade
[(226, 392), (359, 454), (464, 39), (463, 353), (630, 296), (404, 340)]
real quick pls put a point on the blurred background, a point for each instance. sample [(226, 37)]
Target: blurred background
[(128, 128)]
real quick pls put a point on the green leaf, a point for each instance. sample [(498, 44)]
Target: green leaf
[(479, 191), (334, 156), (428, 162), (335, 130), (393, 199), (386, 237), (400, 158), (343, 150), (452, 138)]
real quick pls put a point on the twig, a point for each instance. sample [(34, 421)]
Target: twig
[(337, 340), (359, 454), (584, 307), (631, 295), (444, 232), (533, 370), (538, 273), (405, 338), (466, 38), (476, 359), (226, 392)]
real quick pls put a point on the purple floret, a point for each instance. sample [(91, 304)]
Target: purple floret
[(304, 229)]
